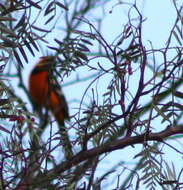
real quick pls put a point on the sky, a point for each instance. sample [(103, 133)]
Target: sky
[(159, 18)]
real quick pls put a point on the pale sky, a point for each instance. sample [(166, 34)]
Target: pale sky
[(160, 16)]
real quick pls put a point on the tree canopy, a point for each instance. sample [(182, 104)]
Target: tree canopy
[(124, 97)]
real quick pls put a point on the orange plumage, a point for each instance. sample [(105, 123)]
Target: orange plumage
[(45, 90)]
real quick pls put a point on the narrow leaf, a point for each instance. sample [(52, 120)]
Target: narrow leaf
[(7, 19), (23, 53), (4, 129), (49, 8), (165, 118), (51, 18), (6, 30), (29, 47), (33, 4), (54, 48), (178, 94), (87, 42), (83, 47), (17, 58), (177, 38), (32, 41), (40, 29), (61, 5), (20, 22), (81, 55), (7, 42)]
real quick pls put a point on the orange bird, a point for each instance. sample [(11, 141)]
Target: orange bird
[(46, 92)]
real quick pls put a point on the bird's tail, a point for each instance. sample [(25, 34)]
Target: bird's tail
[(67, 147)]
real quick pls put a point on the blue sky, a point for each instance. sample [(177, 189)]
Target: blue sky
[(160, 17)]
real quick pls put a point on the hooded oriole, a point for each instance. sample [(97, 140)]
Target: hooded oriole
[(46, 92)]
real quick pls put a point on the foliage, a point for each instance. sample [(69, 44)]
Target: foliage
[(134, 98)]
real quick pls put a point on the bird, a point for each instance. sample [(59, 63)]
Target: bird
[(46, 92)]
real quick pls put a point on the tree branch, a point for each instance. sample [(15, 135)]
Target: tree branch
[(108, 147)]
